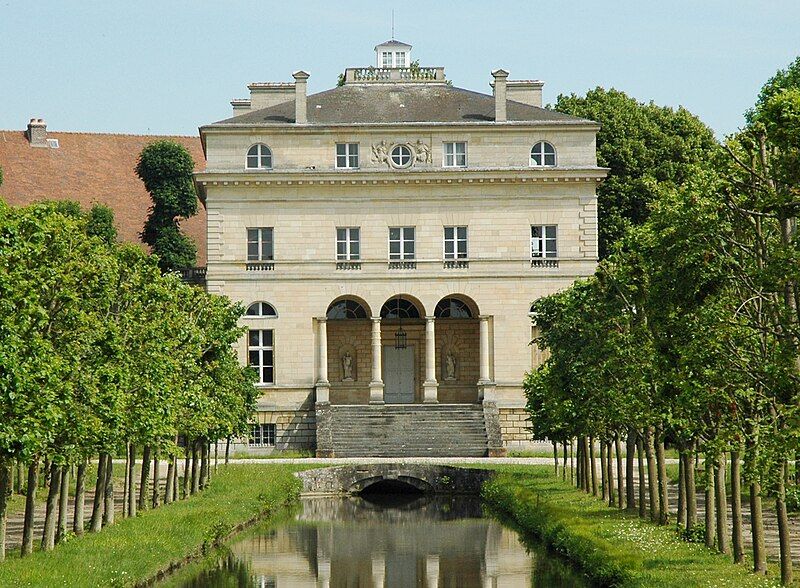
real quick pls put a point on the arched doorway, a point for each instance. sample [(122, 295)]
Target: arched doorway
[(403, 337), (349, 360), (457, 349)]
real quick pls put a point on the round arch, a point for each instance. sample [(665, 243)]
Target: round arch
[(456, 306), (347, 307), (261, 309), (409, 307)]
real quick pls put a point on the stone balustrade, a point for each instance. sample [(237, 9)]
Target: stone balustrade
[(360, 75)]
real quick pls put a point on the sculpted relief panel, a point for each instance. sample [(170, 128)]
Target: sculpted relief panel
[(400, 155)]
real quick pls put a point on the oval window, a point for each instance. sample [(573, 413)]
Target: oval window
[(401, 156)]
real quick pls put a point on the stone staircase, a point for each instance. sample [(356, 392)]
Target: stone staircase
[(403, 430)]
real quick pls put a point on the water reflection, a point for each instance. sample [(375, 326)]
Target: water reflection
[(386, 542)]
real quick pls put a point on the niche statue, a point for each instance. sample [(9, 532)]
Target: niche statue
[(347, 367)]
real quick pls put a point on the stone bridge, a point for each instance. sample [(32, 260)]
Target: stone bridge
[(400, 478)]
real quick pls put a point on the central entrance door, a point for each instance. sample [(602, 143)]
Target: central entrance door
[(398, 375)]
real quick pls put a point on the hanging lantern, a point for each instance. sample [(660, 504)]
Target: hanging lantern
[(400, 337)]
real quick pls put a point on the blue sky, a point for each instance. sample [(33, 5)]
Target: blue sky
[(167, 67)]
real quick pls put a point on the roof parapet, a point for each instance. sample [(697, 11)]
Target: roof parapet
[(394, 75)]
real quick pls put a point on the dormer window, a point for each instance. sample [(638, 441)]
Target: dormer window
[(543, 154), (259, 156)]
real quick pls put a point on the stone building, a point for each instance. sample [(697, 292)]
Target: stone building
[(388, 237)]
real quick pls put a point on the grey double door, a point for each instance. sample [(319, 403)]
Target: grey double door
[(398, 375)]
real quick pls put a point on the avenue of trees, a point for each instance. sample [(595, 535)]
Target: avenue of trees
[(688, 335), (103, 355)]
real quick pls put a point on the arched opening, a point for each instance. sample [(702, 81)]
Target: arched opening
[(349, 360), (390, 485), (457, 349), (403, 349), (402, 307), (261, 310)]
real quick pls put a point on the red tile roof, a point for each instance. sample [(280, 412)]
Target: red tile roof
[(91, 168)]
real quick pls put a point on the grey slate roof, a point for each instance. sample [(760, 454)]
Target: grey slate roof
[(392, 42), (397, 103)]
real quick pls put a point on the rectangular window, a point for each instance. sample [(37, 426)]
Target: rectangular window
[(261, 435), (455, 242), (455, 154), (400, 59), (386, 59), (259, 244), (348, 244), (260, 354), (401, 243), (543, 241), (346, 155)]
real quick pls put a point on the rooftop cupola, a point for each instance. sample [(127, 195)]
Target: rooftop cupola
[(392, 53)]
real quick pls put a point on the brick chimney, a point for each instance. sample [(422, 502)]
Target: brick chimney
[(37, 132), (500, 77), (300, 87)]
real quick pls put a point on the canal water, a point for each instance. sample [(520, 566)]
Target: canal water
[(382, 541)]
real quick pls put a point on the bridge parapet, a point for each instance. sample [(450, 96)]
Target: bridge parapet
[(429, 479)]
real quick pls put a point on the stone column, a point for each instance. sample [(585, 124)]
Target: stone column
[(430, 387), (323, 386), (376, 385), (485, 383)]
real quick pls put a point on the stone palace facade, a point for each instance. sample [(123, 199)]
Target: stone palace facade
[(388, 237)]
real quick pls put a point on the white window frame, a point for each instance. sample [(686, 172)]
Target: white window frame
[(408, 152), (348, 241), (541, 153), (456, 241), (451, 154), (261, 434), (403, 254), (261, 348), (351, 153), (539, 244), (400, 59), (260, 312), (262, 151), (386, 59), (260, 241)]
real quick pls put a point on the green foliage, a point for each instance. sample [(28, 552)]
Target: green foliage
[(645, 146), (340, 80), (100, 223), (166, 169), (1, 176)]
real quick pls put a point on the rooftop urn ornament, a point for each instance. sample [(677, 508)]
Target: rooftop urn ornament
[(400, 336)]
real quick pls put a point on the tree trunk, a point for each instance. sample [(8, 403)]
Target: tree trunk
[(227, 450), (174, 478), (145, 477), (108, 494), (44, 481), (620, 480), (578, 464), (691, 493), (126, 483), (564, 463), (80, 498), (98, 503), (170, 479), (630, 485), (722, 505), (203, 482), (757, 529), (555, 457), (651, 474), (20, 477), (185, 484), (736, 508), (593, 465), (6, 488), (587, 467), (783, 526), (681, 490), (603, 473), (663, 490), (610, 459), (642, 483), (49, 532), (195, 467), (216, 456), (156, 479), (30, 507), (572, 464), (710, 496), (63, 505), (130, 497)]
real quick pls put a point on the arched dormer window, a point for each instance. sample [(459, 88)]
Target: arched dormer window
[(543, 154), (261, 310), (259, 156)]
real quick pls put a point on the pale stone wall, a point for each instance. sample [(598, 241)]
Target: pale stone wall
[(294, 431), (489, 146), (513, 427)]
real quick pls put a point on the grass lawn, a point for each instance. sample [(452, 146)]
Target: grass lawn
[(610, 546), (135, 549)]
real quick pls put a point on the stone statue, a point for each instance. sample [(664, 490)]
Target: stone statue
[(347, 367), (423, 152), (380, 152), (450, 367)]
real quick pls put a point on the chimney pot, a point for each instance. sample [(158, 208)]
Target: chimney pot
[(300, 87)]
